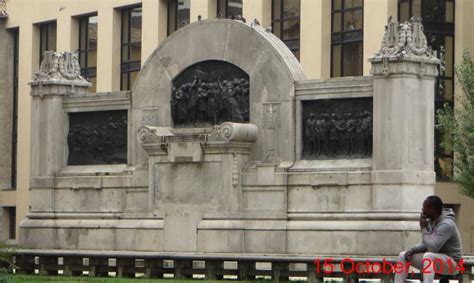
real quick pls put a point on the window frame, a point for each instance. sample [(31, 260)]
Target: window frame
[(226, 9), (342, 42), (175, 12), (87, 71), (128, 66), (445, 29), (281, 21), (15, 34), (44, 29)]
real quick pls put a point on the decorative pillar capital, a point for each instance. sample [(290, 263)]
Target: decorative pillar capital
[(59, 74), (404, 50)]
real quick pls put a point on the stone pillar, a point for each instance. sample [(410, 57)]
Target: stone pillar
[(6, 102), (207, 9), (155, 18), (315, 54), (373, 22), (258, 9), (108, 50), (404, 73), (59, 75)]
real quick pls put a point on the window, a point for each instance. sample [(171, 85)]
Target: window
[(346, 38), (438, 22), (15, 36), (286, 23), (88, 49), (47, 38), (229, 8), (131, 43), (178, 14), (11, 216)]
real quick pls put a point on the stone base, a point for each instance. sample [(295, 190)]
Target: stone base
[(239, 236)]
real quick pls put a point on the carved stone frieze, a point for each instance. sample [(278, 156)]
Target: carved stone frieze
[(234, 132), (404, 49), (60, 66)]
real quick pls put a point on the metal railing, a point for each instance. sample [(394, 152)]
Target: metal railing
[(209, 266)]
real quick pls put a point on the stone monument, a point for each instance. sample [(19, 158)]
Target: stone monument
[(230, 149)]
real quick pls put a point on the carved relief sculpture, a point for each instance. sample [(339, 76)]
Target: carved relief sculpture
[(337, 128), (210, 93)]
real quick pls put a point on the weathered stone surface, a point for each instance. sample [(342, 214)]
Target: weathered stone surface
[(238, 188), (6, 105), (269, 64)]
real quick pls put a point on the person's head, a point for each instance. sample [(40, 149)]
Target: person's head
[(432, 207)]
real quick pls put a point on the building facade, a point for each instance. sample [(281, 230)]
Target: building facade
[(115, 38)]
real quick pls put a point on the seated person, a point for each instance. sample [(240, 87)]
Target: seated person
[(440, 241)]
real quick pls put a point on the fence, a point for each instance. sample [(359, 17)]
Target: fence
[(279, 268)]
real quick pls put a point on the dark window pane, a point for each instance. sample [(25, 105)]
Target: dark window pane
[(353, 20), (293, 44), (92, 42), (125, 25), (336, 61), (352, 56), (221, 8), (449, 12), (277, 9), (125, 53), (135, 51), (448, 90), (183, 12), (336, 5), (93, 87), (348, 4), (276, 28), (82, 59), (352, 36), (297, 54), (133, 77), (11, 212), (92, 58), (416, 8), (172, 10), (404, 10), (136, 25), (352, 4), (52, 37), (234, 8), (43, 41), (336, 22), (287, 26), (291, 8), (448, 56), (83, 33), (433, 11), (291, 29), (124, 82)]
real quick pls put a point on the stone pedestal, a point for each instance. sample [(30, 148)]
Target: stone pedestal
[(194, 172), (59, 75), (404, 74)]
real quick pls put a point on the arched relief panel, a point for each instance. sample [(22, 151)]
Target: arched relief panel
[(210, 93), (270, 65)]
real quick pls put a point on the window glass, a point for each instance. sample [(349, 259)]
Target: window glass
[(291, 8), (347, 38), (336, 61), (286, 25), (352, 56)]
